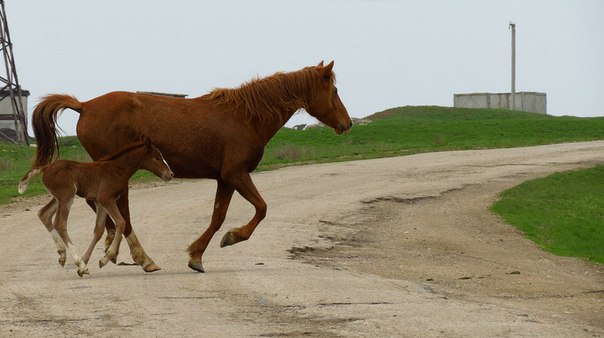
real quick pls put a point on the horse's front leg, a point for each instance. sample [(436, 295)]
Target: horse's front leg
[(246, 188), (137, 252), (224, 193)]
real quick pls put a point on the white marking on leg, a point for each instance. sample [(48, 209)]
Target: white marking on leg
[(73, 252), (58, 240), (135, 249), (25, 182), (61, 247)]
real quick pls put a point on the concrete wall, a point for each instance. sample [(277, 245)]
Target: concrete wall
[(525, 101)]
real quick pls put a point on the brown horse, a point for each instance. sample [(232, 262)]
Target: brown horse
[(220, 135), (102, 182)]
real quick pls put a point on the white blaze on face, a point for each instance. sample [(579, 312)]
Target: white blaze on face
[(164, 160)]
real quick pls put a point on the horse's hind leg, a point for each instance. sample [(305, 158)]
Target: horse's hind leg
[(101, 216), (244, 185), (137, 252), (61, 227), (45, 214), (224, 193)]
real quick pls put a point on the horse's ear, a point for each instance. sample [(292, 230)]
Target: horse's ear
[(320, 64), (327, 70)]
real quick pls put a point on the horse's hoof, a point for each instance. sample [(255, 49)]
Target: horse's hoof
[(83, 272), (62, 261), (197, 266), (104, 261), (228, 239), (151, 267)]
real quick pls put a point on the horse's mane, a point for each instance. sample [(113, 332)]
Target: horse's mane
[(129, 147), (267, 98)]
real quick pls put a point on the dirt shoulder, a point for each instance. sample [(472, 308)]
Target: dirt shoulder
[(398, 247), (455, 248)]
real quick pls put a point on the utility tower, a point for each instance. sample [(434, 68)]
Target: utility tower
[(9, 86)]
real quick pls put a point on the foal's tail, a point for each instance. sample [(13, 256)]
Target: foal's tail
[(44, 123), (25, 180)]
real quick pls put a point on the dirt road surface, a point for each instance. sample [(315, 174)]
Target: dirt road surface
[(399, 247)]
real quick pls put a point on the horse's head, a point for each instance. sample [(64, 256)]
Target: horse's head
[(155, 163), (326, 105)]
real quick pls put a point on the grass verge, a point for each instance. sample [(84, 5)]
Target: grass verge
[(563, 213)]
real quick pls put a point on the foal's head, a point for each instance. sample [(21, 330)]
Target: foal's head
[(327, 106), (154, 161)]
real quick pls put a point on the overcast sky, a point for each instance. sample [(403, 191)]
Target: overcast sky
[(387, 53)]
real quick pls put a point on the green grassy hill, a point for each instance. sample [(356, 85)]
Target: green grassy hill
[(409, 130), (393, 132)]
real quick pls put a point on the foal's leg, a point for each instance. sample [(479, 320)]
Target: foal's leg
[(120, 223), (224, 192), (244, 185), (61, 227), (137, 252), (108, 225), (99, 228), (45, 214)]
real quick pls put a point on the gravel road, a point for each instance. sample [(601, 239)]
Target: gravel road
[(389, 247)]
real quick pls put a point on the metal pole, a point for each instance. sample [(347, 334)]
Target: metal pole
[(513, 96)]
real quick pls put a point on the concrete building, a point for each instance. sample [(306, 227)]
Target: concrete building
[(525, 101), (7, 116)]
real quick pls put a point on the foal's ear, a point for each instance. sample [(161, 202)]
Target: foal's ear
[(147, 142), (327, 70)]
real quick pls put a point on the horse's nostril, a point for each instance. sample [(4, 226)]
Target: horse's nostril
[(350, 126)]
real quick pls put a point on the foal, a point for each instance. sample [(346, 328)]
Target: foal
[(103, 182)]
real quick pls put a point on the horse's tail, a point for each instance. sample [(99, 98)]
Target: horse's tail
[(25, 180), (44, 123)]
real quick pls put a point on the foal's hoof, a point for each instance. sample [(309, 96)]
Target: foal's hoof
[(114, 258), (82, 272), (62, 257), (151, 267), (196, 265)]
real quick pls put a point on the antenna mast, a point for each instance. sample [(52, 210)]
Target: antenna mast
[(10, 88), (513, 99)]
